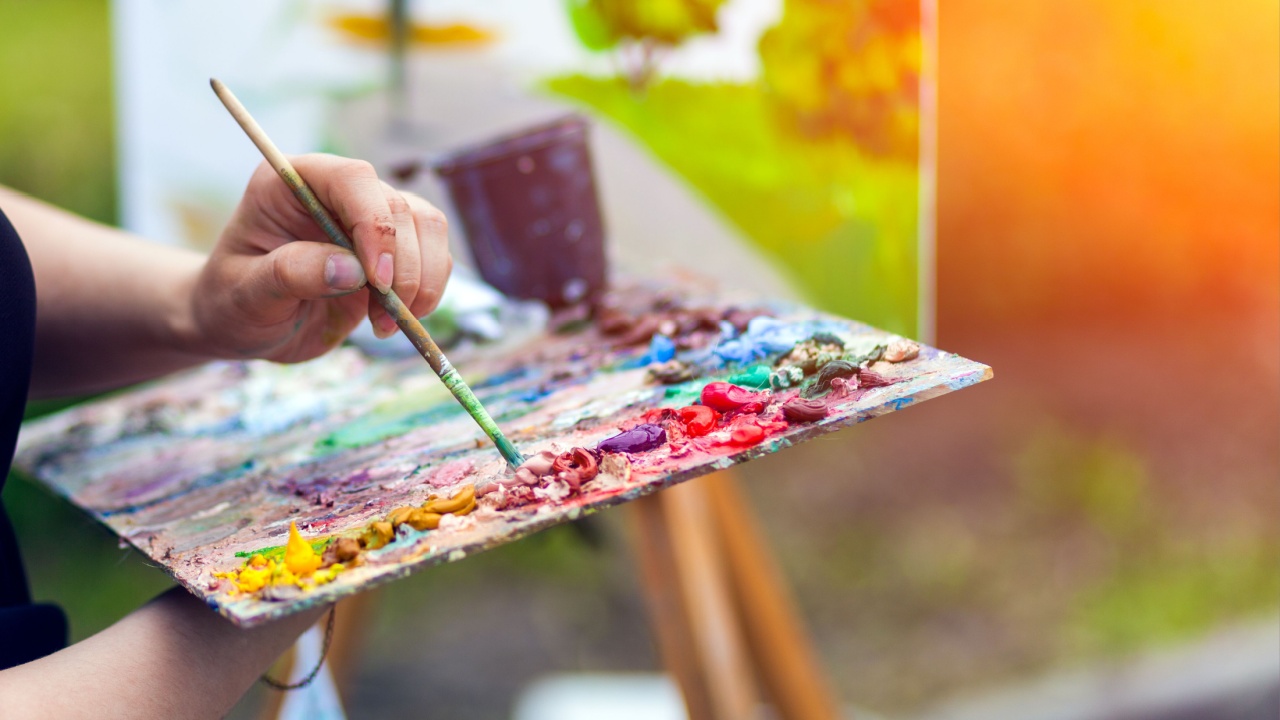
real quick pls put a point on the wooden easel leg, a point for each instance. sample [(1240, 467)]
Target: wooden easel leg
[(780, 648), (720, 609), (717, 631), (691, 609), (668, 617)]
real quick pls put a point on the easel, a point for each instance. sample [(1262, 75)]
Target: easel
[(725, 625)]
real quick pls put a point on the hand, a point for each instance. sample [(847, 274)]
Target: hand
[(276, 288)]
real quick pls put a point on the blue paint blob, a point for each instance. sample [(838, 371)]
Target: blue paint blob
[(661, 349), (502, 378), (764, 337)]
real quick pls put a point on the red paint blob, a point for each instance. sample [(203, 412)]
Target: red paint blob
[(750, 429), (746, 434), (698, 420), (727, 397), (576, 467), (656, 416)]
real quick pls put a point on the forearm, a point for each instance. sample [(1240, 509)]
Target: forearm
[(171, 658), (111, 308)]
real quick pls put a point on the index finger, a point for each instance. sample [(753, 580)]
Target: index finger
[(352, 192)]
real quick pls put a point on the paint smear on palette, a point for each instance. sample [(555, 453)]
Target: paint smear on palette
[(382, 474)]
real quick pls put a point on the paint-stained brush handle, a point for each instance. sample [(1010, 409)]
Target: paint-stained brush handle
[(394, 305)]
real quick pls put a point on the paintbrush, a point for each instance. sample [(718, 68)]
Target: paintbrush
[(389, 300)]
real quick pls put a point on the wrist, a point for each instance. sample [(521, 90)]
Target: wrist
[(183, 331)]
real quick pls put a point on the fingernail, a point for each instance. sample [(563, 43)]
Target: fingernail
[(385, 327), (384, 272), (343, 273)]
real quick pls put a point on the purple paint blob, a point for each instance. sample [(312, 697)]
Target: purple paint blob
[(638, 439)]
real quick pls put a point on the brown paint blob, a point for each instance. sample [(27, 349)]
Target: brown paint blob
[(804, 411)]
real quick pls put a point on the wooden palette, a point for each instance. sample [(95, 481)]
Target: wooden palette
[(200, 470)]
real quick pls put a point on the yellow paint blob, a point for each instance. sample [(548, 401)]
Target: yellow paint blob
[(253, 579), (299, 557), (426, 517), (327, 574), (300, 567), (378, 534)]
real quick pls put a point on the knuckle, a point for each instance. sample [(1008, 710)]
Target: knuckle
[(433, 221), (428, 298), (408, 278), (280, 271), (359, 169), (398, 205), (262, 177)]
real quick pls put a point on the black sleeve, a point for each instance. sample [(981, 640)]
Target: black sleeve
[(27, 631)]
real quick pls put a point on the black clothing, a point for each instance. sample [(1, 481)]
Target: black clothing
[(27, 631)]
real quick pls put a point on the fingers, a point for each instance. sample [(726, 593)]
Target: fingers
[(408, 263), (401, 240), (433, 248), (357, 198), (423, 262)]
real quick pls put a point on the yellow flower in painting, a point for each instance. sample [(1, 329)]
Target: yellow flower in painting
[(299, 556)]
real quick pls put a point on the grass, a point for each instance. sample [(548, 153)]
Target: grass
[(841, 224), (1178, 588), (1153, 580)]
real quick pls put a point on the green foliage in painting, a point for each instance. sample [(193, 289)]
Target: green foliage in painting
[(640, 31), (848, 67), (841, 223), (816, 163)]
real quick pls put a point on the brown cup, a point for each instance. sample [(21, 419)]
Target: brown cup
[(528, 208)]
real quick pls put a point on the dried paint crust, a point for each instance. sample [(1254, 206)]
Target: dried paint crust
[(200, 470)]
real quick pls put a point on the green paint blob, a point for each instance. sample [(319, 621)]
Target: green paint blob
[(755, 377), (276, 552), (684, 393), (380, 425)]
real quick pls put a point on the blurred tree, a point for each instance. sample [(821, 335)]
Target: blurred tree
[(848, 67), (640, 32)]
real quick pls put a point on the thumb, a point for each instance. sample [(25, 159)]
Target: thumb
[(305, 270)]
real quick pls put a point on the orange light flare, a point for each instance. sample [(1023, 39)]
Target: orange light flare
[(1107, 158)]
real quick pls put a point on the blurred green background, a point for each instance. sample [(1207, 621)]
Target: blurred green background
[(56, 121)]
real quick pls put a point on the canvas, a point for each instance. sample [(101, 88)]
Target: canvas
[(786, 145)]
